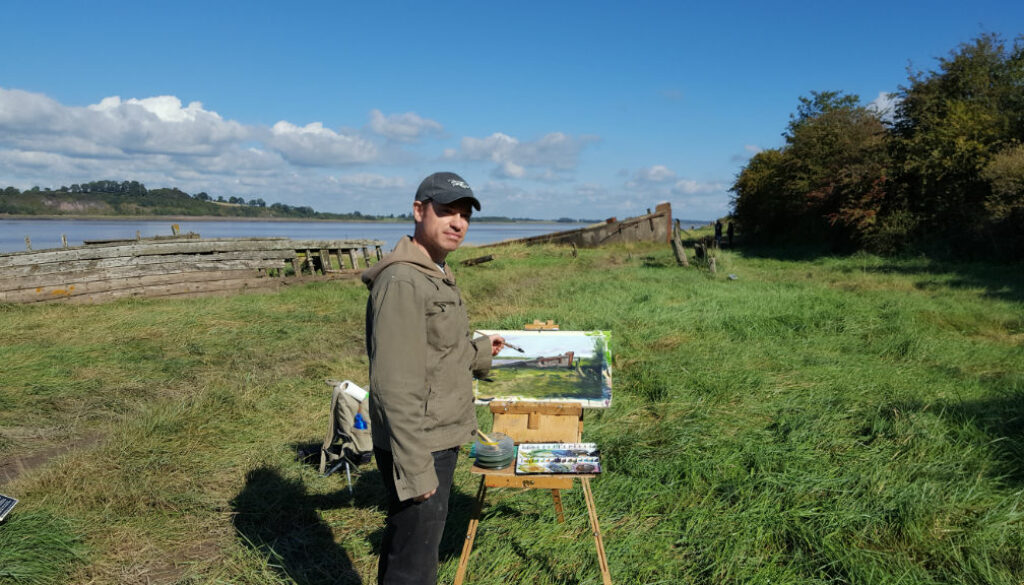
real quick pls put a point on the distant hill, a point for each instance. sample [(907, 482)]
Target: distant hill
[(132, 198)]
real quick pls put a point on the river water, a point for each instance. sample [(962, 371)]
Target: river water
[(46, 233)]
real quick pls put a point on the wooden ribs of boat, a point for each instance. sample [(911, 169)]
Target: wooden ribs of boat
[(177, 267)]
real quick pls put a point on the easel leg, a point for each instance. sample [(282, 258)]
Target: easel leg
[(602, 560), (557, 497), (474, 521)]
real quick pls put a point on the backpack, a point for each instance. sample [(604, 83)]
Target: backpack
[(348, 442)]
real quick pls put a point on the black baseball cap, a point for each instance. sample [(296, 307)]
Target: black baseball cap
[(446, 188)]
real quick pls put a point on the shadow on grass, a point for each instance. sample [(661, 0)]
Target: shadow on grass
[(277, 518)]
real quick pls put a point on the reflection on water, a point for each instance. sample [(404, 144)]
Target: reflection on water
[(46, 233)]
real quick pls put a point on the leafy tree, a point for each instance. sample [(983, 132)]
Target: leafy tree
[(826, 183), (761, 204), (950, 125)]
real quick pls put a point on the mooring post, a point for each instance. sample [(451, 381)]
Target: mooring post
[(28, 243), (64, 240), (677, 247)]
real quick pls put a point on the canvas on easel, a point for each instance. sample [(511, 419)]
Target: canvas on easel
[(554, 366)]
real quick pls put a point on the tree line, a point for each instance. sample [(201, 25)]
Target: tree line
[(942, 171), (119, 198), (134, 198)]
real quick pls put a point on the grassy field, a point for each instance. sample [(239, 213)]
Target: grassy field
[(814, 420)]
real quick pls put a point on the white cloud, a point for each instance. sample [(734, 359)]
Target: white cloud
[(314, 145), (655, 174), (691, 187), (550, 157), (690, 198), (407, 127), (752, 148), (114, 128), (885, 105)]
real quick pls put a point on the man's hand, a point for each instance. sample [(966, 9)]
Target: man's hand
[(497, 342), (424, 497)]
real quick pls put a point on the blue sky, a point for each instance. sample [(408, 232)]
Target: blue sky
[(571, 109)]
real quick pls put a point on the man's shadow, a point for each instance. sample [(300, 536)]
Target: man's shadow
[(276, 517)]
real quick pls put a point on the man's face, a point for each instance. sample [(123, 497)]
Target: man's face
[(441, 227)]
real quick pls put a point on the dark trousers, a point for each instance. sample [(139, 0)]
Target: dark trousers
[(412, 533)]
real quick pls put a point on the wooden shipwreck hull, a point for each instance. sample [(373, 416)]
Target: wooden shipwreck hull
[(651, 227), (177, 267)]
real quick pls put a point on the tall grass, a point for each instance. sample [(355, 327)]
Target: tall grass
[(839, 420)]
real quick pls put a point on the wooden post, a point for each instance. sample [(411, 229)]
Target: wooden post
[(711, 265), (138, 235), (175, 229), (353, 258), (380, 254), (366, 257), (64, 240), (678, 250), (325, 261), (479, 260)]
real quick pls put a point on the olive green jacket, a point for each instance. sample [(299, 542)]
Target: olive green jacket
[(422, 360)]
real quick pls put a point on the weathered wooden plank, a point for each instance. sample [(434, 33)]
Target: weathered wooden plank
[(108, 263), (145, 249), (232, 286), (171, 247), (64, 279), (335, 243), (477, 260), (76, 289), (352, 257)]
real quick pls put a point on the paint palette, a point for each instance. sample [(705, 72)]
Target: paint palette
[(555, 458), (498, 454)]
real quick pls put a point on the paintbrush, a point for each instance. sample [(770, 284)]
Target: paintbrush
[(507, 344)]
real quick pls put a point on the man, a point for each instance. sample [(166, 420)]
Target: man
[(422, 360)]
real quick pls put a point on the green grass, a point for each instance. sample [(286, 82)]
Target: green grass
[(816, 420)]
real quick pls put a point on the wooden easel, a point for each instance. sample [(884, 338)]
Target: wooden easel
[(535, 422)]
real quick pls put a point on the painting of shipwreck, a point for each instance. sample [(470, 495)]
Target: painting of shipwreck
[(554, 366)]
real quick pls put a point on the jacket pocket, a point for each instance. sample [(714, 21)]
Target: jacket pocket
[(444, 324)]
